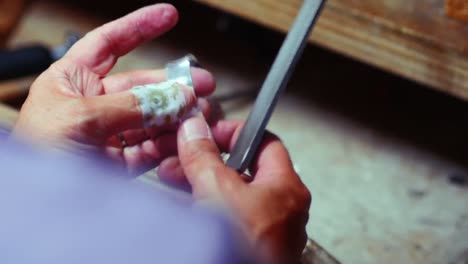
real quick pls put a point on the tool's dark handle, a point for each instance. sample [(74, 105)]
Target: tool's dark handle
[(24, 62)]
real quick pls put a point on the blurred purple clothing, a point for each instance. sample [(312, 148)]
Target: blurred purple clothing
[(67, 210)]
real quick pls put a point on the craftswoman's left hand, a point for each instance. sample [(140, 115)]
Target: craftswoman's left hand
[(76, 103)]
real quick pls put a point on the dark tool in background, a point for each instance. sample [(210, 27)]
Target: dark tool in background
[(30, 60), (277, 79)]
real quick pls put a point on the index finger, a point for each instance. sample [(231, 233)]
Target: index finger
[(272, 160), (100, 48)]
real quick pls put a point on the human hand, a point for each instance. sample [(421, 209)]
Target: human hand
[(272, 209), (75, 102)]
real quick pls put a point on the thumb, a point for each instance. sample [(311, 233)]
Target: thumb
[(201, 161), (153, 105)]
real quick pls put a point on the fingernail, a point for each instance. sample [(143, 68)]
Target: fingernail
[(169, 14), (195, 128)]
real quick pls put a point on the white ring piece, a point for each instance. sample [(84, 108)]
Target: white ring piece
[(161, 103), (164, 103), (179, 70)]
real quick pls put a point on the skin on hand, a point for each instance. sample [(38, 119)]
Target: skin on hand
[(272, 209), (76, 103)]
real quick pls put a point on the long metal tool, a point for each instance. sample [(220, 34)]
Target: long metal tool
[(277, 79)]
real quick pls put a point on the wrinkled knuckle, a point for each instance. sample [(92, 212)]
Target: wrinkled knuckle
[(300, 198), (301, 203), (139, 32), (306, 196), (303, 194), (110, 42), (192, 156), (86, 119), (195, 154)]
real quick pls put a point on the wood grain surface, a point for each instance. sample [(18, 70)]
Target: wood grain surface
[(415, 39), (457, 9)]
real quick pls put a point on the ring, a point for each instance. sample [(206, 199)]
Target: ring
[(122, 140), (179, 70)]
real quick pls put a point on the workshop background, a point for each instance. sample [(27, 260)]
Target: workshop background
[(375, 117)]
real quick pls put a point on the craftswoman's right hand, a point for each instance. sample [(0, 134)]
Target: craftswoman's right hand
[(272, 210)]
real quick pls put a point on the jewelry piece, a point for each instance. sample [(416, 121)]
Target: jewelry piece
[(164, 103), (161, 103), (179, 70)]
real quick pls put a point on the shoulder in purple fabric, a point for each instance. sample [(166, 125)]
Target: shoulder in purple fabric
[(59, 209)]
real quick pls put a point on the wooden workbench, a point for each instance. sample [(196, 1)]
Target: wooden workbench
[(412, 38)]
